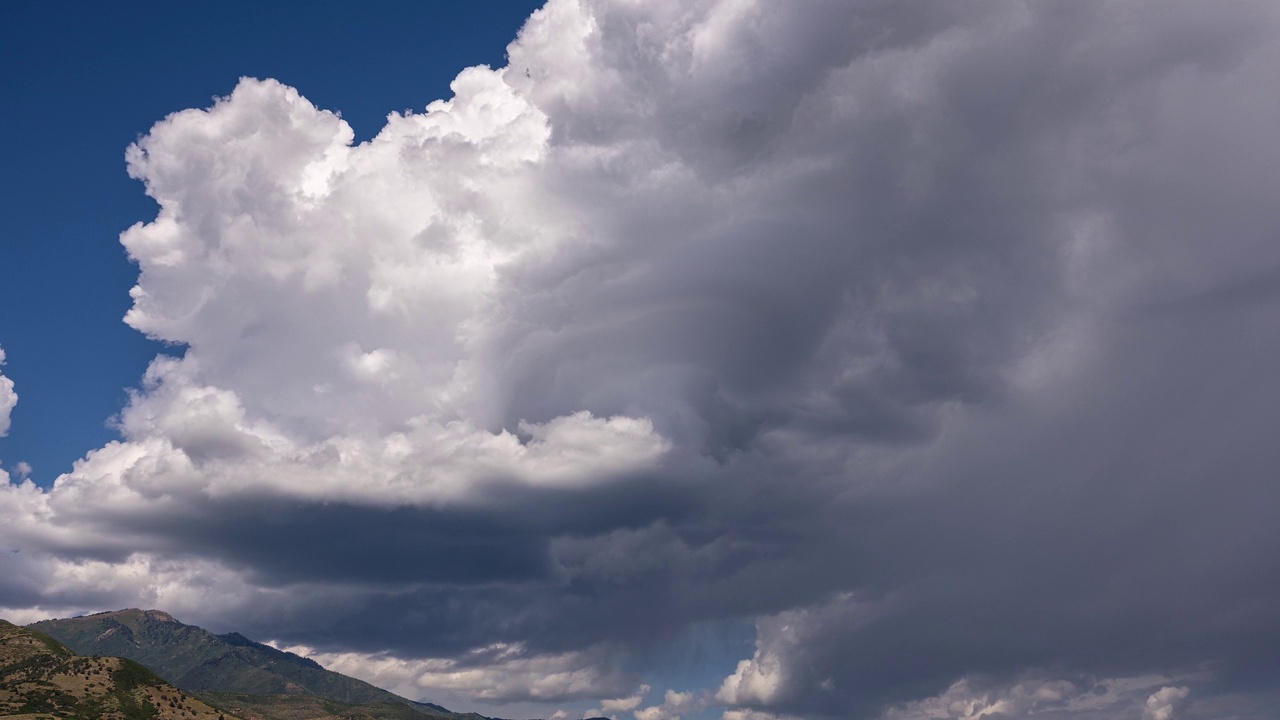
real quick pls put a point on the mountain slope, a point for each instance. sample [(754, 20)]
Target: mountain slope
[(260, 680), (310, 707), (196, 660), (41, 679)]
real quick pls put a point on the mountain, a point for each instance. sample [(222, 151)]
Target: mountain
[(41, 679), (310, 707), (253, 679)]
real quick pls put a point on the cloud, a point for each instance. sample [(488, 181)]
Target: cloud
[(499, 673), (673, 706), (8, 399), (1161, 704), (626, 704), (1078, 697), (754, 715), (930, 339), (763, 679)]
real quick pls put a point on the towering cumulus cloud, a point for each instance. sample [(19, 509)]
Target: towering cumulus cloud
[(936, 341)]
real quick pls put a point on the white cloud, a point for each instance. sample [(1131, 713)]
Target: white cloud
[(766, 677), (28, 615), (8, 399), (340, 306), (203, 433), (754, 715), (612, 707), (1084, 698), (1163, 702), (674, 705), (758, 680), (626, 704), (499, 673)]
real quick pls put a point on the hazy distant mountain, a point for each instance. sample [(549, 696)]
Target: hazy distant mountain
[(41, 679), (231, 670)]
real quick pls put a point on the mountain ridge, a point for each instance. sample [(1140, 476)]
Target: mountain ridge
[(42, 679), (228, 666)]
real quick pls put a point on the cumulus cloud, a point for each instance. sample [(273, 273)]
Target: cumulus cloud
[(500, 673), (1163, 702), (615, 706), (673, 706), (1082, 697), (932, 339), (8, 399), (764, 678), (625, 704)]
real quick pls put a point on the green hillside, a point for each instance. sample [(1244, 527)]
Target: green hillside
[(41, 679), (196, 660), (262, 681)]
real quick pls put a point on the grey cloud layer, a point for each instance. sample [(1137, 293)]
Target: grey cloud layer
[(937, 339)]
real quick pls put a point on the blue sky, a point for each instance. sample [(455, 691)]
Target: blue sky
[(83, 80), (728, 359)]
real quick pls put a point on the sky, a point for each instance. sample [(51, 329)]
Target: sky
[(724, 359)]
